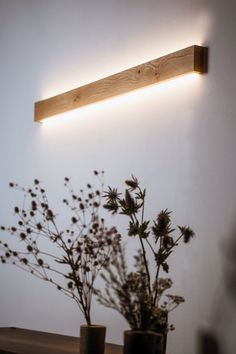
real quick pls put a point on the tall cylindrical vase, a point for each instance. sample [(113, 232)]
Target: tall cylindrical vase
[(142, 342), (92, 339)]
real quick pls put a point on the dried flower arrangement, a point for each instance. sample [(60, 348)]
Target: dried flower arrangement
[(77, 253), (135, 295), (86, 247)]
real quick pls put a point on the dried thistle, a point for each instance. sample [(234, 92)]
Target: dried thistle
[(137, 295)]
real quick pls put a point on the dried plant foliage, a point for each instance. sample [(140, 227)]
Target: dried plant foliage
[(86, 247), (76, 254), (140, 298)]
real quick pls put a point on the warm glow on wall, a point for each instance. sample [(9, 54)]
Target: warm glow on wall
[(185, 61)]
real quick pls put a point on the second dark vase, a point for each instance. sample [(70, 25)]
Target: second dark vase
[(142, 342)]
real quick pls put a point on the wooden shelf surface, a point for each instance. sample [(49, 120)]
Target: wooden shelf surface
[(24, 341)]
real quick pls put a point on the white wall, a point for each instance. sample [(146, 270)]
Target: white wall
[(179, 139)]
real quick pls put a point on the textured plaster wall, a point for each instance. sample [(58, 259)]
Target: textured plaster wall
[(179, 139)]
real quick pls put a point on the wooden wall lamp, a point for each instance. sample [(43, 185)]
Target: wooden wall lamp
[(184, 61)]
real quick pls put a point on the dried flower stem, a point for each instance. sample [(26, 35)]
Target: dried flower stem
[(84, 245)]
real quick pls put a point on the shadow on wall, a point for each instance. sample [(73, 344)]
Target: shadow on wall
[(230, 268), (208, 343), (213, 340)]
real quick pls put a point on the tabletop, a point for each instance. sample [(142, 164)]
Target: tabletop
[(24, 341)]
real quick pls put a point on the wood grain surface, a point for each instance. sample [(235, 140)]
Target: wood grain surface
[(23, 341), (191, 59)]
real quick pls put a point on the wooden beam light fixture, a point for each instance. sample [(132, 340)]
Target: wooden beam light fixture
[(184, 61)]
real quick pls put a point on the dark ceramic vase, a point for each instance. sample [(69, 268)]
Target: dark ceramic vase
[(142, 342), (92, 339)]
